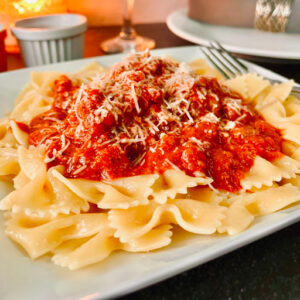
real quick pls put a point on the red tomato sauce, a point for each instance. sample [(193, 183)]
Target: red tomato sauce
[(147, 116)]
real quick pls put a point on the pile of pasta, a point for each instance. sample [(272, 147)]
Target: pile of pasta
[(49, 213)]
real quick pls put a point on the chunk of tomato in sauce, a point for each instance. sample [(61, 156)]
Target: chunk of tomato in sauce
[(224, 168), (193, 159), (204, 131), (109, 163)]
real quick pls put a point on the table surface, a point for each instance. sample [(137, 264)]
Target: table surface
[(266, 269)]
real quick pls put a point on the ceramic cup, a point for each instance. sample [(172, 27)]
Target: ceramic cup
[(241, 13), (51, 38)]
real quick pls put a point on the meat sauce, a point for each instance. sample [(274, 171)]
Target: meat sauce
[(149, 115)]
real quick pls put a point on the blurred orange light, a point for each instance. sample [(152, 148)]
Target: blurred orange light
[(29, 8), (11, 10), (35, 6)]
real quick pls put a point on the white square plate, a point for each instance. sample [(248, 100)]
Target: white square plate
[(248, 41), (21, 278)]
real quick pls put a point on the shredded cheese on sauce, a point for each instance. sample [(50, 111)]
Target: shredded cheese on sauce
[(145, 115), (120, 85)]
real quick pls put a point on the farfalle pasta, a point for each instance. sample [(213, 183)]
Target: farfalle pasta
[(105, 160)]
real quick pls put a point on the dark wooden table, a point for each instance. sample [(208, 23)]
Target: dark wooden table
[(266, 269), (163, 37), (94, 36)]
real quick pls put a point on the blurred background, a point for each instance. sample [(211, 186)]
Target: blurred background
[(103, 12), (98, 12)]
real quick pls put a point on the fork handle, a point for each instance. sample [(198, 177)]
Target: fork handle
[(296, 89)]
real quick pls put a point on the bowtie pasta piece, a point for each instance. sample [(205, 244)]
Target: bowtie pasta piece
[(119, 193), (9, 164), (192, 215), (46, 196), (244, 207), (39, 240), (248, 85), (173, 182), (76, 254), (265, 173)]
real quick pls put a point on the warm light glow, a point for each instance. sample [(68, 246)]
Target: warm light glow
[(10, 10), (24, 6)]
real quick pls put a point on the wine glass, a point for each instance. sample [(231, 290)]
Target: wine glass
[(127, 40)]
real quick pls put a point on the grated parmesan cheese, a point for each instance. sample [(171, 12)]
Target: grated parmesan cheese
[(178, 98), (211, 118), (229, 125), (134, 97), (79, 170)]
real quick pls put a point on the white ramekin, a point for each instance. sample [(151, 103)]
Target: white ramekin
[(51, 38)]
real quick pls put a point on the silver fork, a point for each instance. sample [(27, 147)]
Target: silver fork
[(229, 66)]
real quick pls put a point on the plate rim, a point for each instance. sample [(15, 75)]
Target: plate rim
[(173, 27), (238, 243)]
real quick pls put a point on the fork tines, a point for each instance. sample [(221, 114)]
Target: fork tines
[(223, 60)]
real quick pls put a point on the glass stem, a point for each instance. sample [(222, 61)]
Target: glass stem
[(127, 31)]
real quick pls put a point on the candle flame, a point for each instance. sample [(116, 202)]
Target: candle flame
[(31, 8), (25, 6)]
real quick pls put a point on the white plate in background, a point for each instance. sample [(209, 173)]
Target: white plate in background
[(247, 41), (121, 273)]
